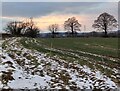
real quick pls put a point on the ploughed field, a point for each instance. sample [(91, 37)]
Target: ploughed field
[(60, 63)]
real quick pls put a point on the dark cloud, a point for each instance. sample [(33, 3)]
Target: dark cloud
[(33, 9)]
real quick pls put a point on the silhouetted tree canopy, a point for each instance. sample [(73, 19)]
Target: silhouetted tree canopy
[(15, 27), (18, 28), (105, 22), (53, 28), (72, 25), (31, 30)]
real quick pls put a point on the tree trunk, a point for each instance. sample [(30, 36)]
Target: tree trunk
[(106, 33), (53, 34), (72, 31), (106, 30)]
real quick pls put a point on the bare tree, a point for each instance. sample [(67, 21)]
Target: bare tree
[(53, 28), (105, 22), (72, 25), (31, 30), (18, 28), (15, 27)]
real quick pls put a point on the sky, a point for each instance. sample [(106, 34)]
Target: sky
[(47, 13)]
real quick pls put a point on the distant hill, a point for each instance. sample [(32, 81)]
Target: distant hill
[(68, 34), (82, 34)]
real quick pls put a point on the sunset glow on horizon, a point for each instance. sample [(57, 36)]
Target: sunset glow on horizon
[(43, 22)]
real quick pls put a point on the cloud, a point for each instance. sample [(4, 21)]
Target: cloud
[(28, 9)]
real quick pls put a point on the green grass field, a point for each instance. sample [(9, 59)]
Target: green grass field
[(97, 53), (104, 46)]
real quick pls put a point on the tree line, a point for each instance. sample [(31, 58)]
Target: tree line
[(104, 22)]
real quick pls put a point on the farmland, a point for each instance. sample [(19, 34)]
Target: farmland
[(97, 53), (89, 63)]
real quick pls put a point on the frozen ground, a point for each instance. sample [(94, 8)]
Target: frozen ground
[(29, 69)]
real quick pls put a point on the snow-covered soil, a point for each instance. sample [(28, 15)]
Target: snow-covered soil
[(23, 68), (1, 41)]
